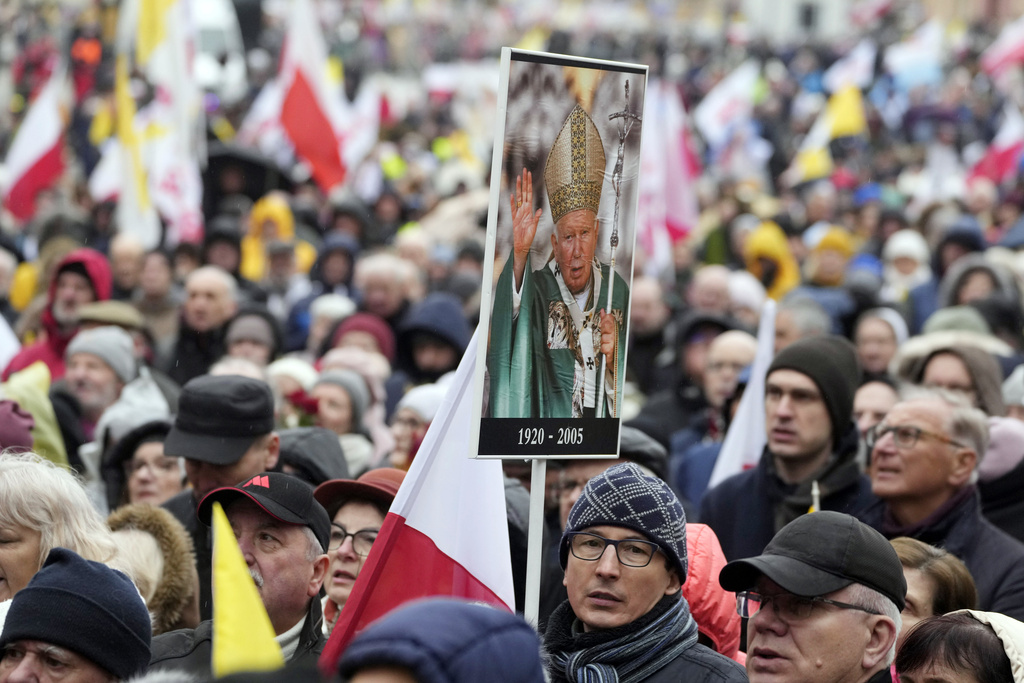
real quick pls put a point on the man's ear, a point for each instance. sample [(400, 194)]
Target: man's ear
[(964, 462), (273, 451), (883, 635), (674, 583), (319, 574)]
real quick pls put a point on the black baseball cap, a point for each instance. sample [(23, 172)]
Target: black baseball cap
[(819, 553), (282, 496), (219, 418)]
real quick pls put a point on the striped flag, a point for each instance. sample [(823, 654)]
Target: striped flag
[(309, 108), (446, 532), (34, 160), (1002, 158)]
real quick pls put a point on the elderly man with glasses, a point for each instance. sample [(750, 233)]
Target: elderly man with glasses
[(624, 556), (924, 460), (823, 600)]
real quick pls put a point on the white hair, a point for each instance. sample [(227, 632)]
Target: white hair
[(314, 549), (39, 495), (232, 365), (859, 594), (333, 306), (224, 276), (966, 425)]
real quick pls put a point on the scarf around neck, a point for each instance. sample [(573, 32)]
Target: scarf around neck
[(624, 654)]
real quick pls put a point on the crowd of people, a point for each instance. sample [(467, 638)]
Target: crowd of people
[(289, 364)]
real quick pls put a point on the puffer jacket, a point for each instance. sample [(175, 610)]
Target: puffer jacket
[(713, 607)]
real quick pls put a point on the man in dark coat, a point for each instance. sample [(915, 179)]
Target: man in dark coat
[(283, 534), (924, 457), (624, 556), (823, 600), (211, 299), (810, 456), (225, 431)]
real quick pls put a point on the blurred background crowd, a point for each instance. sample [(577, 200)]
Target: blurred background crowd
[(346, 296)]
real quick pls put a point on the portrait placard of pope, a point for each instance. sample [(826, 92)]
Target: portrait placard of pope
[(559, 309)]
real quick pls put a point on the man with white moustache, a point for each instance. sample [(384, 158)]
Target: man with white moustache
[(283, 533)]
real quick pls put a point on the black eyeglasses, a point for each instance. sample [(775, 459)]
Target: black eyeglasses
[(362, 540), (631, 552), (787, 607), (905, 436)]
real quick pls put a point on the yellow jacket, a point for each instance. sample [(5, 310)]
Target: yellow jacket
[(271, 219)]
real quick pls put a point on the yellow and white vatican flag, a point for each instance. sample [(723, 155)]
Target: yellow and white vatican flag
[(135, 211), (813, 159), (166, 143), (843, 116)]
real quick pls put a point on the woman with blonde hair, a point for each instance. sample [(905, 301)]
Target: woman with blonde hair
[(44, 507)]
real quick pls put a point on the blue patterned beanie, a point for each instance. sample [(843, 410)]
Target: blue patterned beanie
[(626, 497)]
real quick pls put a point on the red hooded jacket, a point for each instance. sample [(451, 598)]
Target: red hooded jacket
[(712, 607), (50, 347)]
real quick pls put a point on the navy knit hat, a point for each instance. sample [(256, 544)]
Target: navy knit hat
[(831, 363), (444, 640), (86, 607), (626, 497)]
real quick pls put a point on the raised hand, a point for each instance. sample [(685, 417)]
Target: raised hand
[(524, 224)]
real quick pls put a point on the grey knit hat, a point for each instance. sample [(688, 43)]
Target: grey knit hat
[(624, 496), (112, 345), (354, 386)]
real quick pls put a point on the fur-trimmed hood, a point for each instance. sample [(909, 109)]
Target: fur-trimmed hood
[(179, 584)]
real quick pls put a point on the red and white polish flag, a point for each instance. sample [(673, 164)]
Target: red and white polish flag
[(34, 161), (447, 531), (310, 107), (1007, 50), (1002, 158)]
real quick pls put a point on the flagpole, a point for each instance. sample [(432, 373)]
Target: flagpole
[(626, 121), (535, 541)]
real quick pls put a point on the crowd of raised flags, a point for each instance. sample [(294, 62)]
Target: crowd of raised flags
[(151, 165)]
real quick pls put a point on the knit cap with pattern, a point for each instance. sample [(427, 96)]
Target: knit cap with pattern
[(624, 496)]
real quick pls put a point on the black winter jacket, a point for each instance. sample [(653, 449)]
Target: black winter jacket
[(995, 559), (191, 650), (742, 509)]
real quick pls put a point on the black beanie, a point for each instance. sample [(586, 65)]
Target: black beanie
[(87, 608), (831, 362)]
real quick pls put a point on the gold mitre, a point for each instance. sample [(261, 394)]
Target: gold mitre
[(574, 172)]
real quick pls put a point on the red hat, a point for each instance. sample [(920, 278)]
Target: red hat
[(377, 486), (372, 325)]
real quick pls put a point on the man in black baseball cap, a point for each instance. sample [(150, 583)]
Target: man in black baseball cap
[(283, 533), (225, 431), (824, 602)]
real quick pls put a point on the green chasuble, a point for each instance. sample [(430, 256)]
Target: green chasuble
[(538, 362)]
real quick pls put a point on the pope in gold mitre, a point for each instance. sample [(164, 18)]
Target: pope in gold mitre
[(551, 326)]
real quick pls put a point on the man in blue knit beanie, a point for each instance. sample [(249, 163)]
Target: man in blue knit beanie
[(77, 621), (624, 556)]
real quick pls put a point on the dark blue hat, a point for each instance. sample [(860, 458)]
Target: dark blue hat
[(86, 607), (443, 640)]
